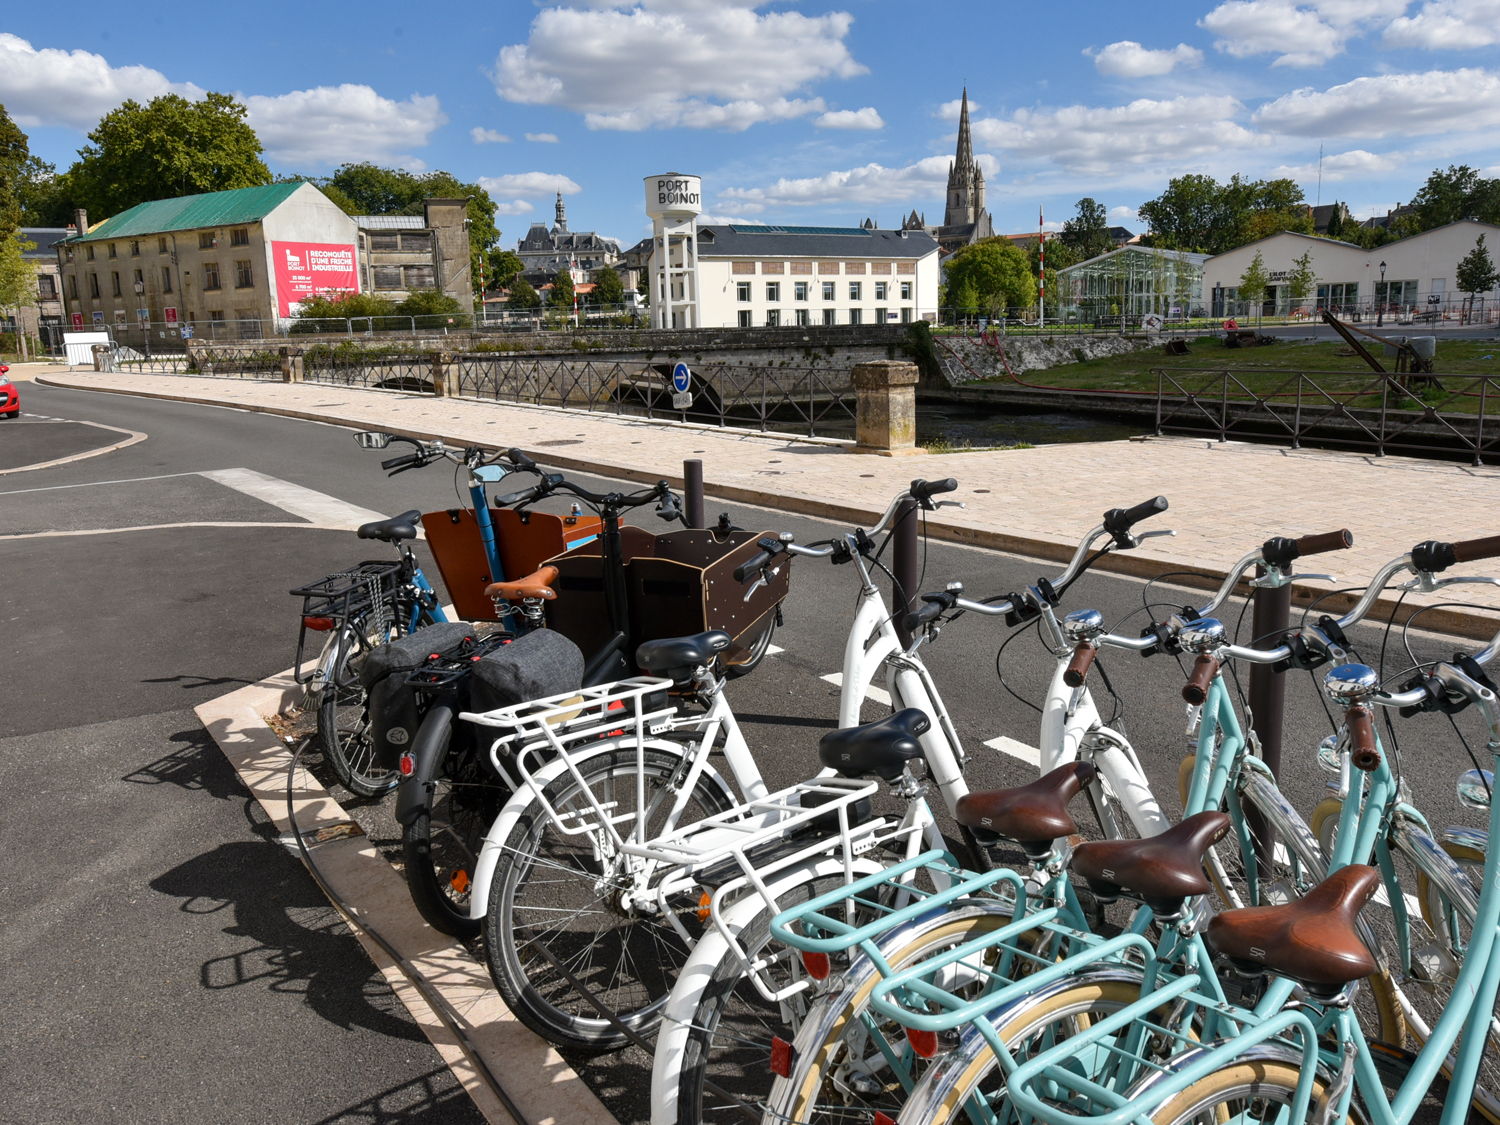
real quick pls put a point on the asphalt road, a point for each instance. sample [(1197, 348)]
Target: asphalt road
[(167, 959)]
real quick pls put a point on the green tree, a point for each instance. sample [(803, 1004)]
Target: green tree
[(965, 299), (1184, 216), (562, 290), (17, 280), (46, 195), (523, 296), (1371, 237), (1336, 222), (1087, 233), (167, 148), (339, 306), (1253, 280), (1301, 280), (434, 309), (1060, 256), (14, 156), (1476, 273), (1449, 196), (503, 267), (1199, 214), (608, 288), (996, 270)]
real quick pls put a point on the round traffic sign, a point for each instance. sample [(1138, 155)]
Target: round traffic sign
[(680, 378)]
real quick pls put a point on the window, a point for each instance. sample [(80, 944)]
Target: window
[(906, 291), (46, 286), (93, 285), (771, 267), (906, 316), (800, 290), (773, 318), (906, 267), (244, 276), (387, 277), (829, 318), (73, 285), (385, 241), (239, 236), (773, 290), (879, 316), (742, 290), (216, 314), (206, 240), (91, 253), (855, 317), (166, 279), (417, 240), (880, 290), (210, 275), (745, 318), (854, 267), (828, 267), (135, 249), (800, 267), (880, 267), (804, 318), (741, 267), (161, 245), (138, 278), (855, 289), (114, 283), (419, 277), (1396, 292), (112, 253), (827, 290)]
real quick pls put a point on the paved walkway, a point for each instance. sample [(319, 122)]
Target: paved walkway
[(1225, 498)]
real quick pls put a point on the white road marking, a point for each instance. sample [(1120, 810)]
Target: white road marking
[(772, 650), (1007, 745), (875, 694), (315, 507), (95, 483)]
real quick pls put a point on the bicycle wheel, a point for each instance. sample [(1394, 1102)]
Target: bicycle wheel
[(566, 892), (343, 726), (757, 652), (441, 845), (1438, 932), (1251, 1090)]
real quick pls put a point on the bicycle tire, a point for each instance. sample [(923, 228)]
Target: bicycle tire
[(646, 949), (1242, 1081), (758, 649), (343, 726)]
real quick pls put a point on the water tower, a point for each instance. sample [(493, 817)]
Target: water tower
[(674, 202)]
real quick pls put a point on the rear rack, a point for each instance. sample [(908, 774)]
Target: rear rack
[(330, 603), (438, 672)]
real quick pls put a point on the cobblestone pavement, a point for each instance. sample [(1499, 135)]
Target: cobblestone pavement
[(1225, 497)]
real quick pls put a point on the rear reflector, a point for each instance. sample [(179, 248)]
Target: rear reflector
[(882, 1119), (781, 1057), (319, 624), (408, 764), (703, 907), (816, 965), (460, 881), (923, 1043)]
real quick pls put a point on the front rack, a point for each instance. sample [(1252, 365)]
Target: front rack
[(329, 604)]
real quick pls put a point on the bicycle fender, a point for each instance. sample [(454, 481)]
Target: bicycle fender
[(494, 840), (682, 1004), (428, 748)]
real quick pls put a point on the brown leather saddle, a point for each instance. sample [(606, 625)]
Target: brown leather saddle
[(1034, 815), (1313, 940), (1162, 871), (538, 585)]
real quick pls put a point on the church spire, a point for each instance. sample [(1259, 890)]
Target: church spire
[(965, 158), (561, 222)]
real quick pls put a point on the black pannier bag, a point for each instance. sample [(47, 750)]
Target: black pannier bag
[(391, 704), (540, 664)]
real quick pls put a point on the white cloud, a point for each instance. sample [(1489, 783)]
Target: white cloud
[(690, 63), (510, 207), (866, 118), (873, 183), (529, 183), (1356, 163), (1097, 140), (1123, 214), (56, 87), (1448, 24), (542, 138), (949, 111), (334, 124), (1128, 59), (1300, 34), (488, 136), (1438, 101)]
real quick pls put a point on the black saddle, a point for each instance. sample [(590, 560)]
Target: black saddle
[(392, 530), (678, 656), (882, 747)]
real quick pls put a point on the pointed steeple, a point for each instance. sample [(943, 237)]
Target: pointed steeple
[(964, 160), (561, 222)]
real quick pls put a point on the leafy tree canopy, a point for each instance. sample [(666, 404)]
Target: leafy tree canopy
[(435, 305), (995, 270), (523, 296), (504, 265), (14, 155), (17, 277), (1198, 213), (608, 288), (562, 290), (1087, 233), (168, 148), (342, 306), (1449, 196), (1253, 280), (1060, 255), (1476, 273), (1303, 278)]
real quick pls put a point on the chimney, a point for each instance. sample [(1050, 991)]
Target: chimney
[(81, 218)]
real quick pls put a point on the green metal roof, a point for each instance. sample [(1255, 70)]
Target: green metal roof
[(190, 212)]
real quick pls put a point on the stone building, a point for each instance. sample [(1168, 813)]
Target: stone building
[(543, 252), (42, 319), (402, 253), (965, 219)]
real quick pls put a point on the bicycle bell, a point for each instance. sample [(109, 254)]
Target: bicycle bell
[(1202, 635), (1083, 625), (1474, 788), (1349, 684)]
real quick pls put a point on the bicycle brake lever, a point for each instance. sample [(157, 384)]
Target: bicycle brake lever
[(1154, 534), (762, 580), (950, 504)]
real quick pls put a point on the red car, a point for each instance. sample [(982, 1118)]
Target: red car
[(10, 398)]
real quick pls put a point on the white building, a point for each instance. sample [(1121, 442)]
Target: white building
[(768, 276), (1420, 272)]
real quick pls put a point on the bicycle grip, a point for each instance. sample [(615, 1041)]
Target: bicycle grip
[(1205, 668), (919, 617), (926, 489), (1327, 541), (1474, 549), (1078, 668), (402, 461), (1361, 725), (1155, 506), (514, 498), (519, 459), (751, 566)]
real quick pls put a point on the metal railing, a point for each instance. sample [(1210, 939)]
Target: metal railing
[(360, 367), (1408, 414)]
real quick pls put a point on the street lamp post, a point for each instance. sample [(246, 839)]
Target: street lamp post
[(1380, 314), (140, 291)]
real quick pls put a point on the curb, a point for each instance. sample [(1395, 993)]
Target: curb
[(546, 1089), (1457, 621)]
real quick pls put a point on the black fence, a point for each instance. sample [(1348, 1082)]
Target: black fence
[(1435, 415)]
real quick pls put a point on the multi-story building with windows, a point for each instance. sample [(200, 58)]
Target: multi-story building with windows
[(400, 254), (765, 276)]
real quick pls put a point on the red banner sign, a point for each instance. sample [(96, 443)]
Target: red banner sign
[(307, 268)]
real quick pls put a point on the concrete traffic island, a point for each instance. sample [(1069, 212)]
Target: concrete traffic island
[(1226, 497)]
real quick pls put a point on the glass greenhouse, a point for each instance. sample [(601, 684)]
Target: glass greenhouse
[(1133, 281)]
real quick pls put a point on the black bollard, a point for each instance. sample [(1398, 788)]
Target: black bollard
[(692, 492)]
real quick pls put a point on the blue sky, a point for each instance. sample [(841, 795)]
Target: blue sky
[(802, 112)]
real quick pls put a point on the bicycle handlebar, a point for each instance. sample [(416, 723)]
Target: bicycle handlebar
[(1119, 521), (922, 490), (405, 461)]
